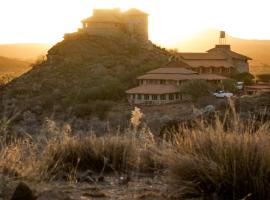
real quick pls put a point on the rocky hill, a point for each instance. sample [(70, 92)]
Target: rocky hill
[(83, 76)]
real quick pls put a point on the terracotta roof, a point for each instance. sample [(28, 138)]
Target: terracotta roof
[(177, 64), (181, 77), (211, 77), (257, 87), (225, 50), (202, 56), (209, 63), (105, 16), (153, 89), (134, 11), (167, 70)]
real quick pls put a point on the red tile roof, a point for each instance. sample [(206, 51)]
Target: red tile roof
[(177, 64), (134, 11), (181, 77), (210, 63), (167, 70), (202, 56)]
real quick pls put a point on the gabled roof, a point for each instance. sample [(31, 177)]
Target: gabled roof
[(167, 70), (177, 64), (226, 51), (105, 16), (134, 11), (202, 56), (181, 77), (153, 89), (210, 63)]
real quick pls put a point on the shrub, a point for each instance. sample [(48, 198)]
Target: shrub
[(229, 85), (212, 163), (245, 77), (121, 153), (264, 77), (196, 88)]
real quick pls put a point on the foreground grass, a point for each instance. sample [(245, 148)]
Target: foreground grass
[(210, 162), (216, 164)]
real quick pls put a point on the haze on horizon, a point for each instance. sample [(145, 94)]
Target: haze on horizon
[(170, 21)]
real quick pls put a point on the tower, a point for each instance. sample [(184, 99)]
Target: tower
[(222, 38)]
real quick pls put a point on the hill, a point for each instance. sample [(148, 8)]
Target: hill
[(83, 76), (24, 51), (13, 67), (259, 50)]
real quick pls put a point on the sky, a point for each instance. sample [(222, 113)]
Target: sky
[(170, 21)]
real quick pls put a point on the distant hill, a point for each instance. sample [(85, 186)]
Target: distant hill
[(24, 51), (259, 50), (13, 67)]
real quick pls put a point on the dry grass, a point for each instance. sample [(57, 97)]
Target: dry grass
[(224, 160), (223, 163)]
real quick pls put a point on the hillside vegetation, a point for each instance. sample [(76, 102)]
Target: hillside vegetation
[(83, 76), (13, 67)]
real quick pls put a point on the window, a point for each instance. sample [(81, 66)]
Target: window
[(163, 97), (177, 96), (146, 97), (171, 97), (163, 82), (154, 97), (139, 96)]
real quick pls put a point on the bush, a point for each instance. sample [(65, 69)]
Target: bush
[(229, 85), (196, 88), (122, 153), (245, 77), (264, 77), (212, 163)]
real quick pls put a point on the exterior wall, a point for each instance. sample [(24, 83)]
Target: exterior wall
[(241, 66), (105, 29), (134, 99), (137, 26)]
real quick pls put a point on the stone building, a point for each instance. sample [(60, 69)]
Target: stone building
[(113, 22), (162, 85), (219, 60)]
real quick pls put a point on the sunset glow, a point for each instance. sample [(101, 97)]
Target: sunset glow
[(170, 21)]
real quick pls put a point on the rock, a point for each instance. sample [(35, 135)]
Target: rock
[(86, 176), (124, 180), (23, 192), (208, 109)]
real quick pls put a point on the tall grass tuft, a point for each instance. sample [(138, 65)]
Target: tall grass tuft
[(221, 162)]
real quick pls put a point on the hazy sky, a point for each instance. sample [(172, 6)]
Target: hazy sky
[(45, 21)]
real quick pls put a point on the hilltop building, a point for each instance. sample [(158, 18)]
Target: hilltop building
[(162, 85), (113, 22), (219, 60)]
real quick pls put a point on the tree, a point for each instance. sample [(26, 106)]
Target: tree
[(196, 88), (229, 85), (264, 77), (245, 77)]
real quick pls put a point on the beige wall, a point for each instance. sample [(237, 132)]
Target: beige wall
[(137, 26), (241, 66), (105, 29), (133, 99)]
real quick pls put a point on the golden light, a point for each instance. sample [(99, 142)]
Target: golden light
[(170, 21)]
